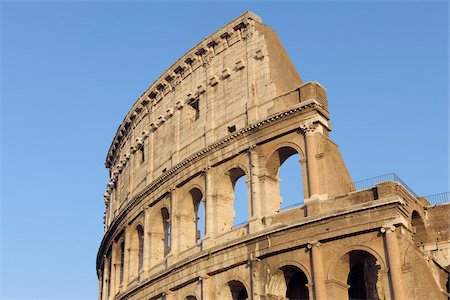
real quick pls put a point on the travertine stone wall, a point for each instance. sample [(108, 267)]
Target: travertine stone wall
[(234, 107)]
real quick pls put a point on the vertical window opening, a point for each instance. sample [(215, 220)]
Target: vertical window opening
[(166, 230), (140, 234), (199, 213), (240, 193), (201, 221), (194, 112)]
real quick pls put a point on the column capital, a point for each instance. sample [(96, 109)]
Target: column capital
[(387, 228), (308, 127), (313, 244)]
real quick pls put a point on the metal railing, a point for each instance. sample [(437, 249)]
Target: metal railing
[(371, 182), (440, 198)]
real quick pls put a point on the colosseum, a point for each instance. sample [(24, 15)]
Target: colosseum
[(234, 107)]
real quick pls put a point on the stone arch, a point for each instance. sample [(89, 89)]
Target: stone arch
[(226, 291), (190, 297), (270, 180), (357, 274), (136, 249), (188, 216), (160, 237), (225, 198), (420, 235), (290, 281)]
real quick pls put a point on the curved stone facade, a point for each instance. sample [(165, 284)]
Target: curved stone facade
[(234, 106)]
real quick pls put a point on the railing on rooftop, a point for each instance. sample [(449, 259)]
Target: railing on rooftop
[(440, 198), (371, 182), (434, 199)]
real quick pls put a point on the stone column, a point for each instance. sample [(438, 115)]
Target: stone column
[(175, 223), (127, 257), (210, 229), (100, 285), (320, 292), (394, 263), (147, 238), (106, 272), (255, 190), (309, 129), (112, 273)]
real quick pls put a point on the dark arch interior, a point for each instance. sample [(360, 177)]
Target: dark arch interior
[(420, 234), (238, 290), (363, 276), (296, 283)]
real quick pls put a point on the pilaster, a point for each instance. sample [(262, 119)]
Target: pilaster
[(394, 263), (320, 292)]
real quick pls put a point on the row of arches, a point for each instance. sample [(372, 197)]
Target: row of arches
[(291, 282), (149, 243)]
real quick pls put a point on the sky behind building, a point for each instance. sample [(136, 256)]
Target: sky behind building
[(72, 70)]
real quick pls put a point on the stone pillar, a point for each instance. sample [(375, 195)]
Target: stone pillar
[(147, 238), (112, 273), (127, 257), (210, 228), (255, 222), (176, 224), (106, 272), (100, 285), (309, 129), (320, 292), (394, 263)]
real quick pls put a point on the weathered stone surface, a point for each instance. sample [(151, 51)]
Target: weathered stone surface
[(234, 106)]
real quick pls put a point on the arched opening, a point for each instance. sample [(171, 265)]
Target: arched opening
[(291, 186), (140, 237), (363, 276), (289, 282), (420, 233), (296, 282), (238, 290), (199, 214), (283, 177), (240, 195), (191, 298), (166, 230)]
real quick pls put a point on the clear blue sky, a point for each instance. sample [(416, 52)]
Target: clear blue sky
[(71, 71)]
